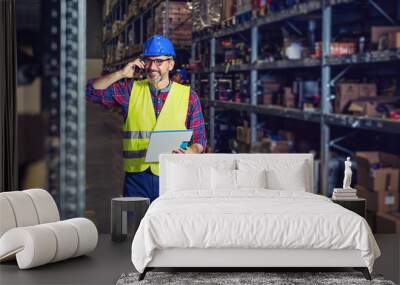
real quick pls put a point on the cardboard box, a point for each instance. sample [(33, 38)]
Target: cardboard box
[(260, 147), (243, 134), (388, 223), (370, 174), (288, 99), (394, 40), (345, 93), (270, 86), (370, 196), (242, 147), (382, 179), (364, 108), (267, 99), (378, 31), (368, 90), (281, 146), (380, 202), (368, 106), (386, 179)]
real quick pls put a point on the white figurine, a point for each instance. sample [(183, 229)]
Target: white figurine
[(347, 174)]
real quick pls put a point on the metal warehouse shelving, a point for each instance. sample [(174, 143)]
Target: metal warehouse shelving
[(117, 13), (63, 77), (132, 19), (323, 117), (358, 122)]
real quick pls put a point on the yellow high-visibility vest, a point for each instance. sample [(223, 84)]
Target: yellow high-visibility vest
[(141, 121)]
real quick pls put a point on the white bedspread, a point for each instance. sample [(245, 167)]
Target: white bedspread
[(250, 219)]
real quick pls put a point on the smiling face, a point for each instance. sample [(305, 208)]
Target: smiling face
[(158, 67)]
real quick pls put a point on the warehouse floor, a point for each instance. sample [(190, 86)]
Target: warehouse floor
[(106, 264)]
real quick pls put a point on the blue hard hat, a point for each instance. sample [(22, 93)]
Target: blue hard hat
[(184, 74), (158, 45)]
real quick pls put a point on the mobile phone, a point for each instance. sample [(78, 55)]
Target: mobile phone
[(138, 71), (184, 145)]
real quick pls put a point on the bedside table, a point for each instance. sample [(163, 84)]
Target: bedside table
[(358, 205), (121, 208)]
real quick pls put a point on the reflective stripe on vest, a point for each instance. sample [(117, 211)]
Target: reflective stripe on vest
[(137, 134), (141, 121)]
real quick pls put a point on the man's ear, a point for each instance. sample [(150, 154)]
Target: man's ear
[(171, 65)]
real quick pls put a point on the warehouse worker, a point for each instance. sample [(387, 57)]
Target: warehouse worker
[(155, 103)]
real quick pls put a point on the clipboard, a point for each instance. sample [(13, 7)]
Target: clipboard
[(166, 142)]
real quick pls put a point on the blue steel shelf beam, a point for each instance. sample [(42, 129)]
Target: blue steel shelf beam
[(325, 95)]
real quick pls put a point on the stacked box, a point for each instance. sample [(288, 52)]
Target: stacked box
[(388, 223), (345, 93), (270, 90), (369, 106), (378, 170), (348, 92), (281, 144), (368, 90), (179, 22), (379, 201), (206, 13), (378, 175)]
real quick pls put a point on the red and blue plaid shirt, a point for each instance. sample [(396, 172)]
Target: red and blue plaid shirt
[(117, 95)]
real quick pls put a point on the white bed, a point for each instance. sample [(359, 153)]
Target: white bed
[(248, 226)]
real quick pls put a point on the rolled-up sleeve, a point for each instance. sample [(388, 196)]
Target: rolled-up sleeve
[(195, 120), (110, 96)]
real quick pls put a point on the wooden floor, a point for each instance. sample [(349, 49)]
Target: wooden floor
[(111, 259)]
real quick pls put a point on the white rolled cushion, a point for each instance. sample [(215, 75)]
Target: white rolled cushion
[(23, 208), (33, 246), (183, 177), (251, 178), (281, 174), (223, 179), (45, 205), (87, 235), (40, 244), (67, 240), (7, 218)]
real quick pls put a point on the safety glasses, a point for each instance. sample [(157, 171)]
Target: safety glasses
[(158, 62)]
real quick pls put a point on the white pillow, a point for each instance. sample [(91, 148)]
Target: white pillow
[(282, 174), (183, 177), (251, 178), (279, 180), (223, 179)]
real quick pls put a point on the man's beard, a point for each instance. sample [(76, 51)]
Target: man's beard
[(156, 79)]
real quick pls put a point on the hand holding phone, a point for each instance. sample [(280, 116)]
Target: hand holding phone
[(129, 70)]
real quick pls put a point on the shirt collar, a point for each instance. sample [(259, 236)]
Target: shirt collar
[(165, 89)]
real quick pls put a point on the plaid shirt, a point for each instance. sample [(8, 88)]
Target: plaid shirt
[(117, 95)]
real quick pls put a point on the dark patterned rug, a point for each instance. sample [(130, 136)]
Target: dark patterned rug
[(242, 278)]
